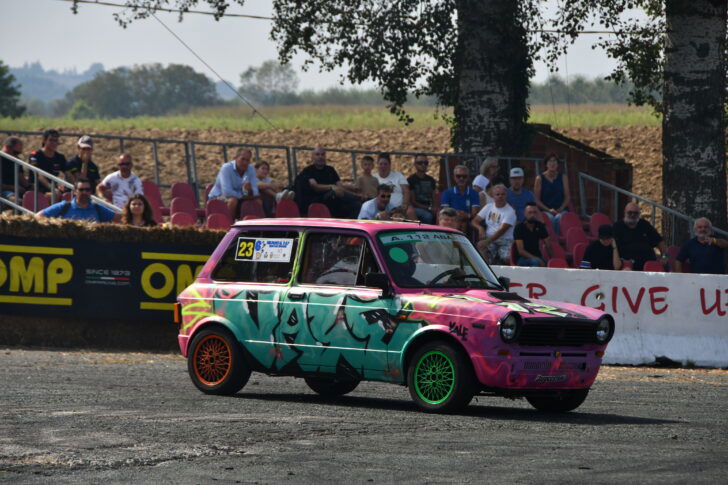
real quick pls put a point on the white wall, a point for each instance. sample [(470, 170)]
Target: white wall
[(683, 317)]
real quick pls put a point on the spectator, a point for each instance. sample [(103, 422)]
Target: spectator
[(527, 235), (448, 217), (81, 207), (636, 238), (400, 187), (518, 197), (13, 146), (488, 170), (706, 251), (422, 190), (138, 212), (48, 160), (494, 224), (552, 191), (379, 207), (81, 166), (602, 253), (366, 184), (461, 197), (236, 181), (117, 187), (398, 214), (321, 183), (271, 191)]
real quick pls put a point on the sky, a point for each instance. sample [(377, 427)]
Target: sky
[(46, 31)]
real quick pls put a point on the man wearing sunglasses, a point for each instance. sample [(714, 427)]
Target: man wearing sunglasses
[(422, 190), (380, 207), (636, 238), (81, 207), (117, 187), (463, 198)]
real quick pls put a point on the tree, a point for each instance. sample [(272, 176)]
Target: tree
[(9, 94), (149, 90), (272, 83)]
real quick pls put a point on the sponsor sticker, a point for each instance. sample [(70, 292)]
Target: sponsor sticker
[(264, 249), (541, 378)]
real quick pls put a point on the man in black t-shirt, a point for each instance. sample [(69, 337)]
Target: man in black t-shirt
[(81, 166), (636, 238), (48, 160), (422, 190), (321, 183), (602, 253), (527, 235)]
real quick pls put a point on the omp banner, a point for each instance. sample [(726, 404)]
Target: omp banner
[(63, 277), (683, 317)]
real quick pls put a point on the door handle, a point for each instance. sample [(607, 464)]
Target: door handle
[(296, 296)]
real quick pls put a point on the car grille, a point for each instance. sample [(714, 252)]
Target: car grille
[(556, 334)]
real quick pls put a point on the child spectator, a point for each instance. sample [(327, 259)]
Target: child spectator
[(138, 212), (271, 191), (366, 184)]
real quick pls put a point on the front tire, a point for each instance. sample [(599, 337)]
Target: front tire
[(216, 364), (330, 386), (559, 402), (440, 379)]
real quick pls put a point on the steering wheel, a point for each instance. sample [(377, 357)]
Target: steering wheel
[(445, 273)]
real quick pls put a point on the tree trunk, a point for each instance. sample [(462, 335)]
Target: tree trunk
[(694, 125), (492, 65)]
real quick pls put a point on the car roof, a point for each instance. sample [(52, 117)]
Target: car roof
[(369, 226)]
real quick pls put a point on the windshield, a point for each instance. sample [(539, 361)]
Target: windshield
[(434, 259)]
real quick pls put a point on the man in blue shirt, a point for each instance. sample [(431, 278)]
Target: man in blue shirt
[(463, 198), (517, 196), (705, 251), (81, 208), (236, 181)]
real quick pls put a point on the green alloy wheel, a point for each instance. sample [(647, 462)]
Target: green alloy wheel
[(439, 378)]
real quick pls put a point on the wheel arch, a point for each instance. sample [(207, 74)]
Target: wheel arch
[(431, 335)]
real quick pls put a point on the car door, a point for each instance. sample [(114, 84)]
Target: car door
[(331, 322)]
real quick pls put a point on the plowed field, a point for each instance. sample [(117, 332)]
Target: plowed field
[(639, 145)]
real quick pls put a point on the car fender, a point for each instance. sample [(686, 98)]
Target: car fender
[(430, 332), (185, 339)]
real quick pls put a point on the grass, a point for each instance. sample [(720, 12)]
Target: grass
[(333, 117)]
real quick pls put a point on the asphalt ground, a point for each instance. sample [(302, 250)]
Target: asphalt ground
[(91, 417)]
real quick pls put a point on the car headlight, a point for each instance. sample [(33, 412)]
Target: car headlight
[(604, 330), (509, 327)]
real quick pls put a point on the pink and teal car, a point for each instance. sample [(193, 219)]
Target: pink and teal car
[(336, 302)]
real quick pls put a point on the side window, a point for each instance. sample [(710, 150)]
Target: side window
[(334, 259), (258, 257)]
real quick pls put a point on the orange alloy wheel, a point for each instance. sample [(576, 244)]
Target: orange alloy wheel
[(212, 360)]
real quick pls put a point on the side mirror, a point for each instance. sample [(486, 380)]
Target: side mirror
[(378, 280), (505, 282)]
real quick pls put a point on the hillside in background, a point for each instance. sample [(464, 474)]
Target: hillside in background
[(37, 83)]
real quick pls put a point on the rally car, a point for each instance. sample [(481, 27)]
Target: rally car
[(336, 302)]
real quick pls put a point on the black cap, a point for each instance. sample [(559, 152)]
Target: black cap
[(605, 231)]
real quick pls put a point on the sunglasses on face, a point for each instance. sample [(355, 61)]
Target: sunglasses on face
[(633, 213), (124, 164), (460, 176), (84, 189), (422, 163), (385, 196)]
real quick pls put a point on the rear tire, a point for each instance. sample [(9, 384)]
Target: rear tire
[(330, 386), (440, 379), (216, 364), (559, 402)]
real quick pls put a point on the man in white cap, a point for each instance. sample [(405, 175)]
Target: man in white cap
[(517, 196), (81, 166)]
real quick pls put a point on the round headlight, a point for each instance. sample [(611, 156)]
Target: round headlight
[(605, 328), (509, 327)]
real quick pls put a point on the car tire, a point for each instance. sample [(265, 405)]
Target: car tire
[(215, 362), (440, 379), (330, 386), (560, 402)]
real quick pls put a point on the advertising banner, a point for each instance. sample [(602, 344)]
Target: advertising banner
[(683, 317), (62, 277)]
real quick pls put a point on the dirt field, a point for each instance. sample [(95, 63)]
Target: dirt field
[(640, 146)]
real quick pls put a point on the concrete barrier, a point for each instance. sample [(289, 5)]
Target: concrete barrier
[(683, 317)]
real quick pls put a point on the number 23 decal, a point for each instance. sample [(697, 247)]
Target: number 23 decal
[(245, 249)]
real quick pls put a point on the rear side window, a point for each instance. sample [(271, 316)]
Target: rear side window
[(258, 257), (336, 259)]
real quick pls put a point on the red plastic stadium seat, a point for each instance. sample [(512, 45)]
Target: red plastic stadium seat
[(557, 263), (182, 219), (513, 258), (183, 189), (183, 204), (216, 206), (218, 221), (579, 250), (574, 236), (567, 221), (251, 208), (250, 217), (627, 265), (208, 188), (672, 252), (67, 196), (549, 227), (319, 210), (287, 208), (151, 192), (42, 201), (556, 250), (653, 266), (597, 219)]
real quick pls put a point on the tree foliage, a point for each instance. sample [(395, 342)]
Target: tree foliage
[(146, 90), (9, 94), (271, 84)]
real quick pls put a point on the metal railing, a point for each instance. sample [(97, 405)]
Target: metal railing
[(17, 205), (671, 216)]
